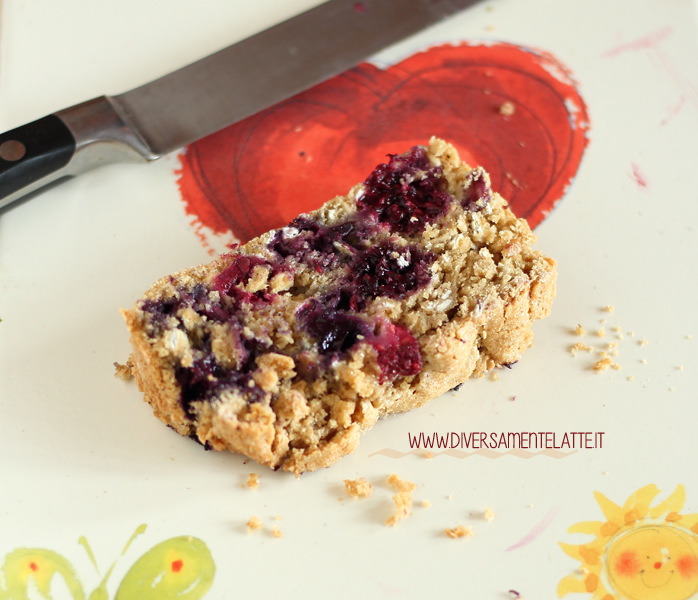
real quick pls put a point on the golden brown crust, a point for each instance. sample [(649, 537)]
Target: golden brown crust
[(487, 287)]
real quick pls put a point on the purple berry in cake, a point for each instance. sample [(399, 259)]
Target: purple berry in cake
[(406, 194)]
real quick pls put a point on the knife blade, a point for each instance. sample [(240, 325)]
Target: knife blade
[(159, 117)]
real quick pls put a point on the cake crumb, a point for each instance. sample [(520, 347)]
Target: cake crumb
[(643, 342), (507, 108), (489, 514), (609, 308), (278, 518), (631, 333), (616, 366), (459, 531), (579, 346), (630, 378), (644, 361), (671, 389), (426, 503), (252, 481), (579, 330), (276, 532), (601, 333), (494, 376), (403, 498), (680, 367), (124, 372), (513, 180), (358, 488), (254, 523), (606, 472), (617, 329), (602, 364)]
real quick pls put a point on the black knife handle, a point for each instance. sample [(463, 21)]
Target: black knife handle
[(67, 143), (32, 152)]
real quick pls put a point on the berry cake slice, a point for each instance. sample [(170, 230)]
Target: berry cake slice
[(289, 347)]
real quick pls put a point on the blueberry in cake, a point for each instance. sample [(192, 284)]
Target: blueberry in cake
[(290, 347)]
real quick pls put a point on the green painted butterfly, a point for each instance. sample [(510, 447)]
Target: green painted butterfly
[(181, 567)]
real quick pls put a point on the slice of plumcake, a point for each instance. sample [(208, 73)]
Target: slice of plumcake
[(291, 346)]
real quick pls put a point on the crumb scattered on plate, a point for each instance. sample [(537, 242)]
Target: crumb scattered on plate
[(403, 498), (579, 330), (602, 365), (459, 531), (276, 532), (124, 372), (489, 514), (507, 108), (580, 347), (426, 503), (254, 523), (252, 481), (358, 488)]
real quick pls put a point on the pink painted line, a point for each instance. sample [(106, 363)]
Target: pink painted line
[(673, 111), (651, 44), (537, 530), (638, 176), (647, 41)]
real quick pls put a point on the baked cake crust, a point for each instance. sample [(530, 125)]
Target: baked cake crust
[(243, 354)]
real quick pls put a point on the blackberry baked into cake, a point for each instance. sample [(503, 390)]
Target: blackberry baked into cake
[(286, 349)]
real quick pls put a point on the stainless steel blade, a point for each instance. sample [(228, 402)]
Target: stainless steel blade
[(271, 66)]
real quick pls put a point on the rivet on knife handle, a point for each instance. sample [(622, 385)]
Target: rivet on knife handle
[(33, 152)]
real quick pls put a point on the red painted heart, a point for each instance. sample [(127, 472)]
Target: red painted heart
[(515, 111)]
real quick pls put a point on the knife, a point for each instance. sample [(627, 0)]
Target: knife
[(166, 114)]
